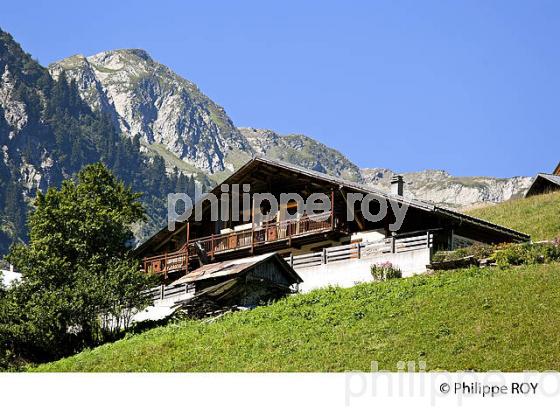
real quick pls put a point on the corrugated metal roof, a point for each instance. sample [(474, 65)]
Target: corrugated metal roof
[(236, 267)]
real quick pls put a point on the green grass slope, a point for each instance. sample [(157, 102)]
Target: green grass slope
[(539, 216), (480, 319)]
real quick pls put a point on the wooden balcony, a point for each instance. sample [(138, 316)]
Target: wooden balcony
[(168, 262), (239, 239), (265, 234)]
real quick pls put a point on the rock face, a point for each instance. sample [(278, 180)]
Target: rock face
[(14, 109), (455, 192), (146, 98), (301, 150)]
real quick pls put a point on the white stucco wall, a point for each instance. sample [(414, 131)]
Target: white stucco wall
[(368, 236), (8, 276), (350, 272)]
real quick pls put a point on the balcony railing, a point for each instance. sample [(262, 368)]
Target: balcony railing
[(266, 233), (406, 242), (212, 245), (168, 262)]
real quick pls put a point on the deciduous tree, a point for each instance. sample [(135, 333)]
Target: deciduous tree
[(76, 268)]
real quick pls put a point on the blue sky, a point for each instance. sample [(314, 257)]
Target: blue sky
[(472, 87)]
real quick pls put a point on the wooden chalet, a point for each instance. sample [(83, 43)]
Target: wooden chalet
[(196, 243)]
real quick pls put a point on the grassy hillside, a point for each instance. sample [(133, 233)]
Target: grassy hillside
[(539, 216), (482, 319)]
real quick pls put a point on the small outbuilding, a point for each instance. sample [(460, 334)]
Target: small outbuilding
[(545, 183), (244, 282)]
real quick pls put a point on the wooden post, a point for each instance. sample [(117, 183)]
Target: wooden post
[(324, 256), (162, 292), (290, 225), (359, 250), (291, 259), (212, 246), (450, 240), (253, 226), (187, 246), (393, 242), (332, 209)]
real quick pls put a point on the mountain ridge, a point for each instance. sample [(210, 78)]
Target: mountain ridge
[(442, 188), (158, 132), (301, 150), (110, 76)]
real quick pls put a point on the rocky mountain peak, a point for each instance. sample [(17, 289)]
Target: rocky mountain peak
[(130, 53), (170, 113)]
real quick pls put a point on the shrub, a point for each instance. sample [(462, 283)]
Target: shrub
[(385, 271), (506, 254), (528, 254), (479, 251)]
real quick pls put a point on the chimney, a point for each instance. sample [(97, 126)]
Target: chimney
[(397, 185)]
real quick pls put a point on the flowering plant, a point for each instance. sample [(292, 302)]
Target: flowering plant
[(385, 271)]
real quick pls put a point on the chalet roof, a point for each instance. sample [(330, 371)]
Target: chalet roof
[(323, 177), (555, 179), (539, 180), (557, 170), (237, 267), (248, 167), (416, 203)]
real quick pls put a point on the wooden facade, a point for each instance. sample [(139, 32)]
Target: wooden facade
[(195, 243), (246, 240)]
